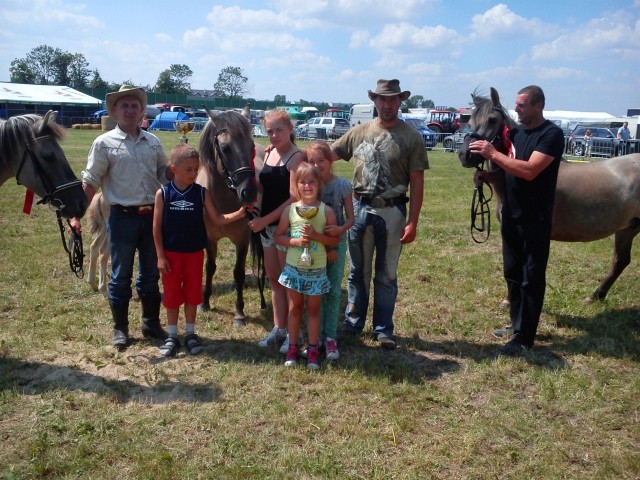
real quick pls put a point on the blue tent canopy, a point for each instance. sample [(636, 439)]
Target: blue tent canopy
[(165, 120)]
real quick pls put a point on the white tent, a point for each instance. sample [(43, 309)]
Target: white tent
[(44, 94)]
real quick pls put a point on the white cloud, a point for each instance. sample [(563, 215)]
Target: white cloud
[(500, 21)]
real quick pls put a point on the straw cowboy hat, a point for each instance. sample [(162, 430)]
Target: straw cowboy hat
[(126, 91), (389, 88)]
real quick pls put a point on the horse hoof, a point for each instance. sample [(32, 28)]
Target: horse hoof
[(238, 323), (203, 308)]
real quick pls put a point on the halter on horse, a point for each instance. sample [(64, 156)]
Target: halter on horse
[(228, 153)]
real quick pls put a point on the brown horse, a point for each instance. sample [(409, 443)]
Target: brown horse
[(29, 151), (229, 157), (593, 200)]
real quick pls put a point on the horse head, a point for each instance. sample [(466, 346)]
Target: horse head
[(227, 150), (39, 163), (489, 121)]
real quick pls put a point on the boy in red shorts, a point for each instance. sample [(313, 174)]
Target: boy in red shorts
[(180, 239)]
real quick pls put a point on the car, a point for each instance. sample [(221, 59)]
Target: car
[(329, 127), (603, 141), (452, 143), (429, 137)]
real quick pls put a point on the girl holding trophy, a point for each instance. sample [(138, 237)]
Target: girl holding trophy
[(305, 272)]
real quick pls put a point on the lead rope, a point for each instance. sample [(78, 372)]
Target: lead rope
[(74, 248), (480, 211)]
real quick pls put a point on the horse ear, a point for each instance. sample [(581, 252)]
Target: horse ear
[(45, 121), (495, 98), (210, 113)]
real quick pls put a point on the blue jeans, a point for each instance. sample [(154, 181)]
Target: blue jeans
[(380, 233), (128, 233)]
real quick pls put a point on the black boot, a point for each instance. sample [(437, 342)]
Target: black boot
[(120, 315), (151, 327)]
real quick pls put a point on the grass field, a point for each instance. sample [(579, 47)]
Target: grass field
[(441, 406)]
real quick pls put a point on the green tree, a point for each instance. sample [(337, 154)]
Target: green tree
[(45, 65), (174, 80), (418, 101), (280, 99), (42, 61), (21, 72), (232, 83), (97, 81)]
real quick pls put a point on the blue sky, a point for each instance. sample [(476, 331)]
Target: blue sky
[(585, 55)]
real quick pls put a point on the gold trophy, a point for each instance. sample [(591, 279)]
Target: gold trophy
[(184, 127), (307, 212)]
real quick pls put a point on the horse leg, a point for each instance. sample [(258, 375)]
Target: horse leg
[(105, 254), (210, 270), (621, 258), (239, 273), (93, 262)]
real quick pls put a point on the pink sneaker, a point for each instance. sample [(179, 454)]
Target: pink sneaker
[(312, 358), (332, 349), (292, 356)]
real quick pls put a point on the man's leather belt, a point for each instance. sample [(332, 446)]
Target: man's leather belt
[(379, 202), (134, 210)]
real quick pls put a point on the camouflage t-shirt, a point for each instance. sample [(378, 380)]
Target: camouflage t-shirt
[(384, 157)]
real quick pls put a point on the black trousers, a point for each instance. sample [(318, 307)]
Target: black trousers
[(525, 253)]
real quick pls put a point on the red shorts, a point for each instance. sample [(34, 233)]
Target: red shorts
[(183, 284)]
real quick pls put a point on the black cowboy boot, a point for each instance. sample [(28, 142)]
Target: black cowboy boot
[(151, 327), (120, 314)]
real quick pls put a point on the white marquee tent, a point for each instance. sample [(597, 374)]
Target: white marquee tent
[(45, 94)]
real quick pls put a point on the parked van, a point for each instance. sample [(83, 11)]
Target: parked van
[(362, 113)]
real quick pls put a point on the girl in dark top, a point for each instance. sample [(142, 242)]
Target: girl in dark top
[(278, 191)]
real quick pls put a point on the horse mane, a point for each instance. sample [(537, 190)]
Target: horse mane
[(18, 132), (235, 123)]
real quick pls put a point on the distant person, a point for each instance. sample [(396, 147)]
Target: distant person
[(623, 136), (281, 159), (302, 231), (337, 194), (529, 186), (389, 161), (586, 141), (129, 165), (180, 239)]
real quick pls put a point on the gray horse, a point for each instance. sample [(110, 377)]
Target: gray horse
[(29, 151), (593, 200)]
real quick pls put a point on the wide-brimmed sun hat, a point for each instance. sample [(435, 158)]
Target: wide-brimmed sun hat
[(126, 91), (389, 88)]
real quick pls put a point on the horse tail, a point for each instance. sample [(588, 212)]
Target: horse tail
[(257, 263)]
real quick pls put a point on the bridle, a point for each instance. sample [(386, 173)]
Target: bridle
[(74, 248), (234, 178), (480, 210), (50, 189)]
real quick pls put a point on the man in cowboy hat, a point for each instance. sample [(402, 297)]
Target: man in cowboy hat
[(129, 165), (390, 160)]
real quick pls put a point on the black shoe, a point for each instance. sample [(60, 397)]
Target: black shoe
[(170, 347), (505, 331), (387, 343), (513, 348), (120, 338), (193, 344), (153, 329)]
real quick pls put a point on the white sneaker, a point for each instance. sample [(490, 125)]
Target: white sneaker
[(273, 338), (285, 346)]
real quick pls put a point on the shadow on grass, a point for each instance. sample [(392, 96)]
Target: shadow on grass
[(32, 378), (611, 333)]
